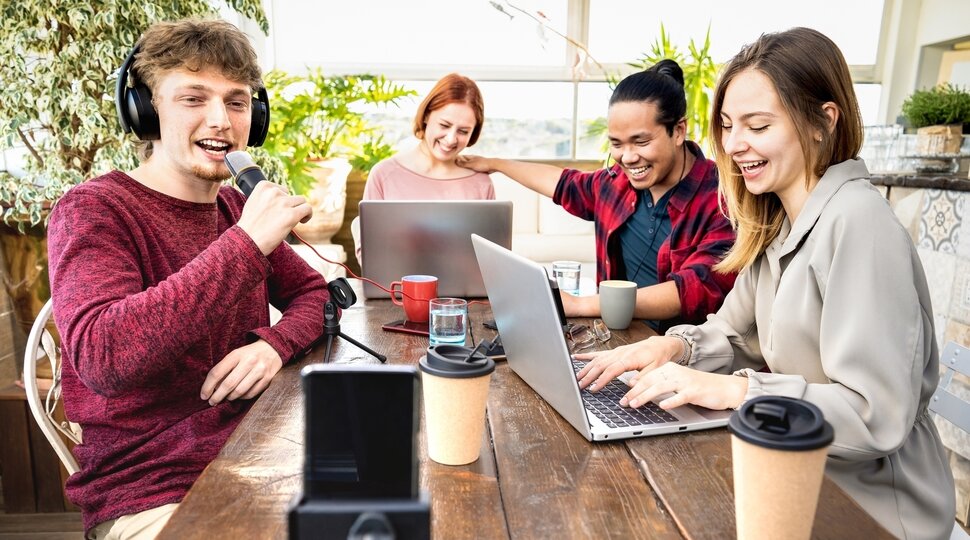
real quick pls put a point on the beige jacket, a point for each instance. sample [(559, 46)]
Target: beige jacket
[(838, 309)]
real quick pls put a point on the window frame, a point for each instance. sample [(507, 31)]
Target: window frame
[(577, 30)]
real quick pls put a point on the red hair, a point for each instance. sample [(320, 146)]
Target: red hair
[(452, 88)]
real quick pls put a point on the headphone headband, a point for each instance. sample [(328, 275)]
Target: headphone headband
[(137, 114)]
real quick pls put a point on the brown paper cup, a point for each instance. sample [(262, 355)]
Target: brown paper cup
[(775, 491), (778, 445), (454, 411)]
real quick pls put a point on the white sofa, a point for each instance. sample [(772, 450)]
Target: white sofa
[(542, 231)]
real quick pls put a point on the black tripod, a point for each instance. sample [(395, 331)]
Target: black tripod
[(341, 296)]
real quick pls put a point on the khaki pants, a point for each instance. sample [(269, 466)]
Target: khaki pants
[(141, 526)]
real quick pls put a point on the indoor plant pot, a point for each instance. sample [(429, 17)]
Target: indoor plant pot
[(327, 196), (938, 114)]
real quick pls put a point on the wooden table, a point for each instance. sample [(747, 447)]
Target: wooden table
[(536, 477)]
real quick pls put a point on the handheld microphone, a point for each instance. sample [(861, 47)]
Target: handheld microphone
[(247, 173)]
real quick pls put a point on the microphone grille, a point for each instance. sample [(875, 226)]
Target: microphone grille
[(238, 162)]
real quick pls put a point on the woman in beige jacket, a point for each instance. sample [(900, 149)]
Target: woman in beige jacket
[(831, 298)]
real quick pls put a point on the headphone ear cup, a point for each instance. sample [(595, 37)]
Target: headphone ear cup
[(142, 116), (136, 114), (259, 125)]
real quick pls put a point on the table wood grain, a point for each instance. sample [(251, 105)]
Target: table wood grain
[(537, 477)]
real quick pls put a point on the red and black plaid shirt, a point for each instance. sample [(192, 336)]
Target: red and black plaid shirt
[(700, 235)]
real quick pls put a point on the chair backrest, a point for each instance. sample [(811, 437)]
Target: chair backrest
[(956, 358), (40, 345)]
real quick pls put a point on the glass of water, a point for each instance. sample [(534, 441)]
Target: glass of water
[(566, 274), (448, 321)]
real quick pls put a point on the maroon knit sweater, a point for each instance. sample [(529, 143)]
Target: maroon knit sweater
[(150, 292)]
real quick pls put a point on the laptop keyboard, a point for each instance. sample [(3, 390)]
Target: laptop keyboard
[(605, 404)]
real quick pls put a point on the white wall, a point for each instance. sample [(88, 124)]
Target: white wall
[(943, 20), (910, 61)]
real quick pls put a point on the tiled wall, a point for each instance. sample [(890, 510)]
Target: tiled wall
[(939, 222)]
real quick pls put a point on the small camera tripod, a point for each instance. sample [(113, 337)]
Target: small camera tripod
[(341, 296)]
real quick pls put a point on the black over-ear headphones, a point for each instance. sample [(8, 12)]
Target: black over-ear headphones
[(137, 115)]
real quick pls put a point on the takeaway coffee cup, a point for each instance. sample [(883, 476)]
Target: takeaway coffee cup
[(455, 385), (778, 447), (418, 291), (617, 300)]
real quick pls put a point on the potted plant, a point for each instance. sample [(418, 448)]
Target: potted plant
[(316, 128), (700, 77), (939, 114), (57, 111)]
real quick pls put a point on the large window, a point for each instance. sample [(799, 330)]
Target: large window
[(622, 29), (541, 98)]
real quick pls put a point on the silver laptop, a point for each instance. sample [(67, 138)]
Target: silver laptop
[(401, 238), (525, 313)]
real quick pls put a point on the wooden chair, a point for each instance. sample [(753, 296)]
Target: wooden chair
[(40, 345), (956, 359)]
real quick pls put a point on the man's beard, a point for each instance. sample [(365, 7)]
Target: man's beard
[(217, 174)]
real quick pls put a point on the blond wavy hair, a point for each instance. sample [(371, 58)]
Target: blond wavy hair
[(807, 71)]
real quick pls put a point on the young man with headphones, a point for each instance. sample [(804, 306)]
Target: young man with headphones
[(161, 279)]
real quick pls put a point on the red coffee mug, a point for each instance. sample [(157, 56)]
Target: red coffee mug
[(419, 290)]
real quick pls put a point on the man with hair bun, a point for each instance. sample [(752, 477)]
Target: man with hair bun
[(656, 213)]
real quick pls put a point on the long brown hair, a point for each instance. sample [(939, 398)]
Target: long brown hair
[(807, 70)]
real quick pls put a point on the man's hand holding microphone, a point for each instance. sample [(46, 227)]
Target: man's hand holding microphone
[(269, 215), (270, 212)]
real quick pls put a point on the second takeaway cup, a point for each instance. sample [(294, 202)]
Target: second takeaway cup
[(617, 301), (778, 445), (455, 385)]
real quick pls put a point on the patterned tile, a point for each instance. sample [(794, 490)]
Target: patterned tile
[(940, 269), (940, 220), (960, 294), (907, 203), (963, 238)]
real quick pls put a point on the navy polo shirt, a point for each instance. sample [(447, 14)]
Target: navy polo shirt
[(641, 237)]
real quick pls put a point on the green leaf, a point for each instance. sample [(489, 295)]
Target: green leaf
[(317, 117)]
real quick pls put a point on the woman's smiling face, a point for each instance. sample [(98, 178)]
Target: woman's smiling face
[(448, 130), (760, 136)]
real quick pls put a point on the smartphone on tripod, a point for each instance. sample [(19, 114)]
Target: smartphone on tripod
[(361, 431)]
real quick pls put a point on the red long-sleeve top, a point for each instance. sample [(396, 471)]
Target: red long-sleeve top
[(150, 292)]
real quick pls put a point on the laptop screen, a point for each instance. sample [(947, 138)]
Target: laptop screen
[(400, 238)]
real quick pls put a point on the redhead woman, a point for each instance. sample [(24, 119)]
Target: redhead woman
[(448, 120), (831, 304)]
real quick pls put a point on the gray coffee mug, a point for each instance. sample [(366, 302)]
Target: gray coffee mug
[(617, 300)]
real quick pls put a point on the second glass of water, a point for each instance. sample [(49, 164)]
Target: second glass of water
[(448, 321), (566, 274)]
